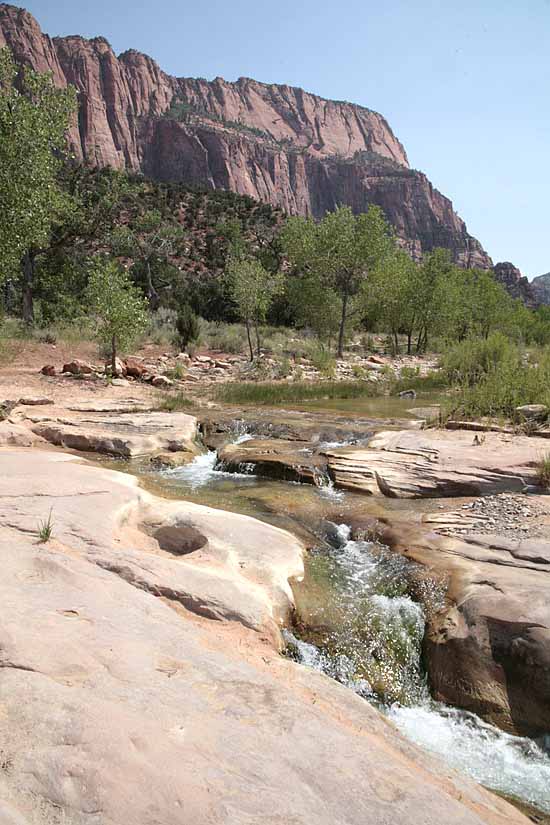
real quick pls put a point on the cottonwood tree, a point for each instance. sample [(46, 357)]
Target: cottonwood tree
[(34, 118), (117, 308), (341, 251), (392, 292), (252, 288)]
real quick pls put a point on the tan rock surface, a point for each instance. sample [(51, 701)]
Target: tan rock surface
[(118, 709), (274, 458), (116, 433), (411, 464)]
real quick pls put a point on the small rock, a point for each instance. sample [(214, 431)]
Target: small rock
[(48, 369), (161, 381), (407, 394), (35, 401), (77, 367), (135, 367), (533, 412), (120, 382), (119, 369)]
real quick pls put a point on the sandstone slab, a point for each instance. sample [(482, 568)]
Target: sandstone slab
[(121, 434), (409, 464), (273, 458)]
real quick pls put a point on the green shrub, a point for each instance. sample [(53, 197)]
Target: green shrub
[(508, 384), (224, 337), (187, 325), (468, 361), (284, 368), (162, 326)]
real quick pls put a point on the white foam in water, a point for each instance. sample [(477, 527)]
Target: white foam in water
[(510, 764), (202, 471)]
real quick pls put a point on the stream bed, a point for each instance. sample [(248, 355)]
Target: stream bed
[(357, 621)]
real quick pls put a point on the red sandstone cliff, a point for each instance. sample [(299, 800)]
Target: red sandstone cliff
[(275, 143)]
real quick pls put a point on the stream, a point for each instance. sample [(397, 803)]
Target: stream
[(357, 621)]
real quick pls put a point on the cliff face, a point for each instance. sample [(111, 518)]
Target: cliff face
[(540, 286), (515, 283), (275, 143)]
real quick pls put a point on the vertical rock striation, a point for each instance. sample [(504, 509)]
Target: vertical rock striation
[(275, 143)]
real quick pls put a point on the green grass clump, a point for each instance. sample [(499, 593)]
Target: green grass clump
[(297, 392), (411, 379), (323, 361), (509, 383), (543, 471), (173, 403), (45, 529)]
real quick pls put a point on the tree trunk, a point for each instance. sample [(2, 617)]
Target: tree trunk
[(152, 294), (247, 322), (340, 352), (257, 339), (113, 356), (27, 306), (409, 342), (396, 342)]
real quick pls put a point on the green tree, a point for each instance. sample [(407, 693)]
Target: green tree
[(430, 295), (151, 239), (342, 250), (252, 288), (34, 118), (117, 308), (393, 295)]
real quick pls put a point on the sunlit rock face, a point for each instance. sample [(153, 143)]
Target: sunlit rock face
[(541, 288), (277, 144), (515, 283)]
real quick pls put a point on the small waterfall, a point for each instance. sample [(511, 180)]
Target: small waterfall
[(206, 468), (374, 648)]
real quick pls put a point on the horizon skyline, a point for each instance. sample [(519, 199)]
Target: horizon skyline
[(476, 175)]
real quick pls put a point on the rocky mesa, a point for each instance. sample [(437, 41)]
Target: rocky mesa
[(277, 144)]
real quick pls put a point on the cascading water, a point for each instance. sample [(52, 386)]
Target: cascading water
[(362, 628), (370, 640), (204, 469)]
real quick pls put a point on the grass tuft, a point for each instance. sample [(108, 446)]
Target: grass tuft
[(173, 403), (45, 528), (543, 471)]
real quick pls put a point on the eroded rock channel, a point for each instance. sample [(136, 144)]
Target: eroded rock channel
[(412, 634), (386, 601)]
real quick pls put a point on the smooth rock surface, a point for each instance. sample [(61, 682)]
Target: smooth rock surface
[(274, 458), (410, 464), (122, 434), (118, 709)]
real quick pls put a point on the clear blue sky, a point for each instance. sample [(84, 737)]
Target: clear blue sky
[(465, 84)]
